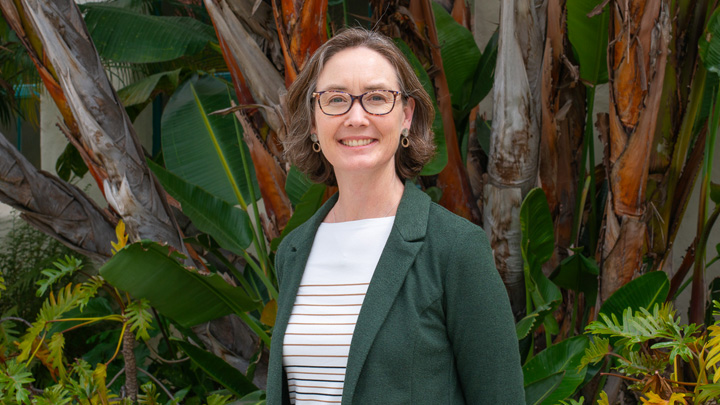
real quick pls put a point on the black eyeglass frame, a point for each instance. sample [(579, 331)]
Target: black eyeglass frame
[(316, 95)]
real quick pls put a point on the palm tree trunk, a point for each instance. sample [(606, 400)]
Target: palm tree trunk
[(563, 117), (53, 206), (513, 156), (639, 38)]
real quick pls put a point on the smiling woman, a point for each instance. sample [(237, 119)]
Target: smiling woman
[(385, 297)]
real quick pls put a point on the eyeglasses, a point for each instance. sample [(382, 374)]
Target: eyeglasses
[(375, 102)]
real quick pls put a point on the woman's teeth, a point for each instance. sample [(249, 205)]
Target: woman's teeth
[(356, 142)]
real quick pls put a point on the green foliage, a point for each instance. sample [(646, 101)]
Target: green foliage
[(589, 38), (537, 246), (24, 253), (140, 318), (203, 149), (643, 292), (217, 399), (13, 378), (650, 344), (228, 224), (187, 297), (562, 359), (124, 35), (63, 268), (219, 370)]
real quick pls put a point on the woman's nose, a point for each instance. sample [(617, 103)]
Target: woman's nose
[(356, 116)]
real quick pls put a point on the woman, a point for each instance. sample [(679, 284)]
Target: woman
[(385, 297)]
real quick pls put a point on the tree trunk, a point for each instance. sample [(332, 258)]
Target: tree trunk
[(639, 37), (104, 126), (53, 206), (513, 156), (563, 118)]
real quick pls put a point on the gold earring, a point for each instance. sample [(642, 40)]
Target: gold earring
[(405, 142), (316, 144)]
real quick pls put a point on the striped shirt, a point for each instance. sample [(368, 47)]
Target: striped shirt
[(337, 275)]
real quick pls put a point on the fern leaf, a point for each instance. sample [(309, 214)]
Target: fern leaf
[(99, 378), (55, 395), (56, 346), (12, 382), (603, 399), (598, 349), (63, 268), (713, 356), (217, 399), (138, 314)]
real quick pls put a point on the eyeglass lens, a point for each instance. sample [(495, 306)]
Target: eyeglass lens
[(378, 102)]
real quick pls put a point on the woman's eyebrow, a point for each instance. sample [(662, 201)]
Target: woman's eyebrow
[(367, 87)]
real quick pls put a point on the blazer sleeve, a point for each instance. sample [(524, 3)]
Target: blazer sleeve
[(480, 324)]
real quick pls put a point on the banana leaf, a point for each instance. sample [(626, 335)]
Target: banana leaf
[(203, 149), (589, 38), (124, 35), (217, 368), (643, 292), (152, 271), (228, 224), (564, 356)]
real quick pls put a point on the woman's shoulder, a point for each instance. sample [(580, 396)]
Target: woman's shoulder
[(440, 219)]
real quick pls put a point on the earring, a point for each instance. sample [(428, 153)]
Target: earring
[(405, 142), (316, 144)]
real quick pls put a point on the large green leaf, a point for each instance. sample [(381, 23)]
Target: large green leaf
[(643, 292), (203, 149), (537, 244), (222, 372), (484, 76), (538, 238), (228, 224), (589, 38), (439, 162), (306, 207), (141, 90), (710, 44), (151, 271), (537, 391), (532, 321), (562, 357), (578, 273), (124, 35), (460, 57), (296, 185)]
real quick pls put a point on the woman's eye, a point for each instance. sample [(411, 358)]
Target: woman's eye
[(336, 100)]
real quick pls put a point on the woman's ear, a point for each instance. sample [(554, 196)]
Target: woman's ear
[(408, 110)]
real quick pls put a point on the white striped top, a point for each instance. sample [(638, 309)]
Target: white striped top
[(337, 275)]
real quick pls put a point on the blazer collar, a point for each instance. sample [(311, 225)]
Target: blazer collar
[(397, 257)]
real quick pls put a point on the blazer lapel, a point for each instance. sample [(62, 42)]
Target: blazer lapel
[(404, 242)]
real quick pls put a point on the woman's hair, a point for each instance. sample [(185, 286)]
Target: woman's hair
[(300, 103)]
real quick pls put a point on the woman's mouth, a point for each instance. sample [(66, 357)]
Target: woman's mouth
[(356, 142)]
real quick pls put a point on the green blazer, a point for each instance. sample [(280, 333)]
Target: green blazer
[(435, 326)]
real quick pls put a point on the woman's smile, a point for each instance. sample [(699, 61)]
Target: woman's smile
[(355, 143)]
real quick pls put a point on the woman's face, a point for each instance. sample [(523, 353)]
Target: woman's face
[(358, 142)]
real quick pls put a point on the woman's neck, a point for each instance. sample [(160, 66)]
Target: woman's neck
[(368, 197)]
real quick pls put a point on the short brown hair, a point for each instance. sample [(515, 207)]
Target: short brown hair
[(298, 146)]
